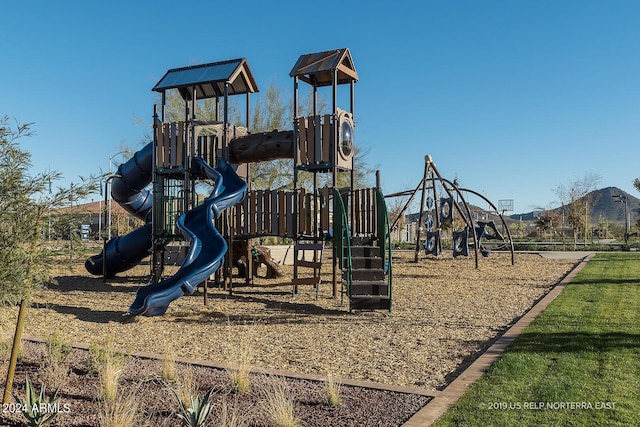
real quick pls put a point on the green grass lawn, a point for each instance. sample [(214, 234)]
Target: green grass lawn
[(577, 364)]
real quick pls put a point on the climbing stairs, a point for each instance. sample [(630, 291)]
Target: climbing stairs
[(369, 288)]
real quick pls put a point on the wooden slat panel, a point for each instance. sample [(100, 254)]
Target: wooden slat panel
[(165, 144), (311, 144), (260, 212), (283, 214), (367, 207), (275, 222), (245, 214), (159, 144), (357, 226), (252, 212), (375, 211), (362, 203), (302, 213), (326, 138), (365, 210), (364, 207), (238, 219), (180, 145), (302, 136), (291, 215), (172, 144), (311, 212), (267, 211), (317, 139), (372, 198)]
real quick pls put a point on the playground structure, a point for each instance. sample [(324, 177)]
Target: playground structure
[(192, 151), (440, 211)]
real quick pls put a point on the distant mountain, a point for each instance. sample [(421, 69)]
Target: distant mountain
[(601, 203)]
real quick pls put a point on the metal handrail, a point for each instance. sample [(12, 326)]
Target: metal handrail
[(341, 236), (384, 239)]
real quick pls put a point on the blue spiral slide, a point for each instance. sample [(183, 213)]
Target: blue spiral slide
[(128, 189), (207, 245), (207, 248)]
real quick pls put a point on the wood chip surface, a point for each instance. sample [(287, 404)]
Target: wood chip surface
[(445, 312)]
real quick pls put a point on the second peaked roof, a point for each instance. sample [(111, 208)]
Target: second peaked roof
[(318, 67)]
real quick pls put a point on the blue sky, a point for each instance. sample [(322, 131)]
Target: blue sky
[(512, 97)]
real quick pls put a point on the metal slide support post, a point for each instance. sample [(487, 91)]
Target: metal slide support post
[(156, 263), (104, 237), (225, 216)]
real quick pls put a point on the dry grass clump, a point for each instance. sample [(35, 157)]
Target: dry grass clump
[(278, 403), (108, 363), (121, 411), (332, 391), (239, 359), (184, 386), (230, 416), (168, 373), (240, 368)]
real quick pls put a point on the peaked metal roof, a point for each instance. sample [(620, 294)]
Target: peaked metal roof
[(208, 80), (318, 67)]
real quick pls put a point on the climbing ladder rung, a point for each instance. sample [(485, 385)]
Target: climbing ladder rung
[(309, 264), (309, 246), (306, 281)]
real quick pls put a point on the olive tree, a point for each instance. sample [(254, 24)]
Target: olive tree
[(25, 202)]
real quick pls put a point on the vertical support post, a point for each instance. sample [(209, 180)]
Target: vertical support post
[(336, 129), (205, 285), (248, 177), (225, 217), (334, 171), (17, 338), (296, 159), (156, 263)]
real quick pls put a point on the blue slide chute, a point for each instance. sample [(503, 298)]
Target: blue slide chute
[(207, 245), (128, 189)]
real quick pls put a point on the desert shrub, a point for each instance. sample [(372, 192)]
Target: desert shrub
[(54, 365)]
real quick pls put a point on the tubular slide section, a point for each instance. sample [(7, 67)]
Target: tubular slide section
[(207, 247), (128, 189)]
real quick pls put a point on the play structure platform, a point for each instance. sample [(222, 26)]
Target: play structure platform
[(158, 185)]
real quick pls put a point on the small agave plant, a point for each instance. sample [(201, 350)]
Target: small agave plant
[(195, 414), (35, 407)]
